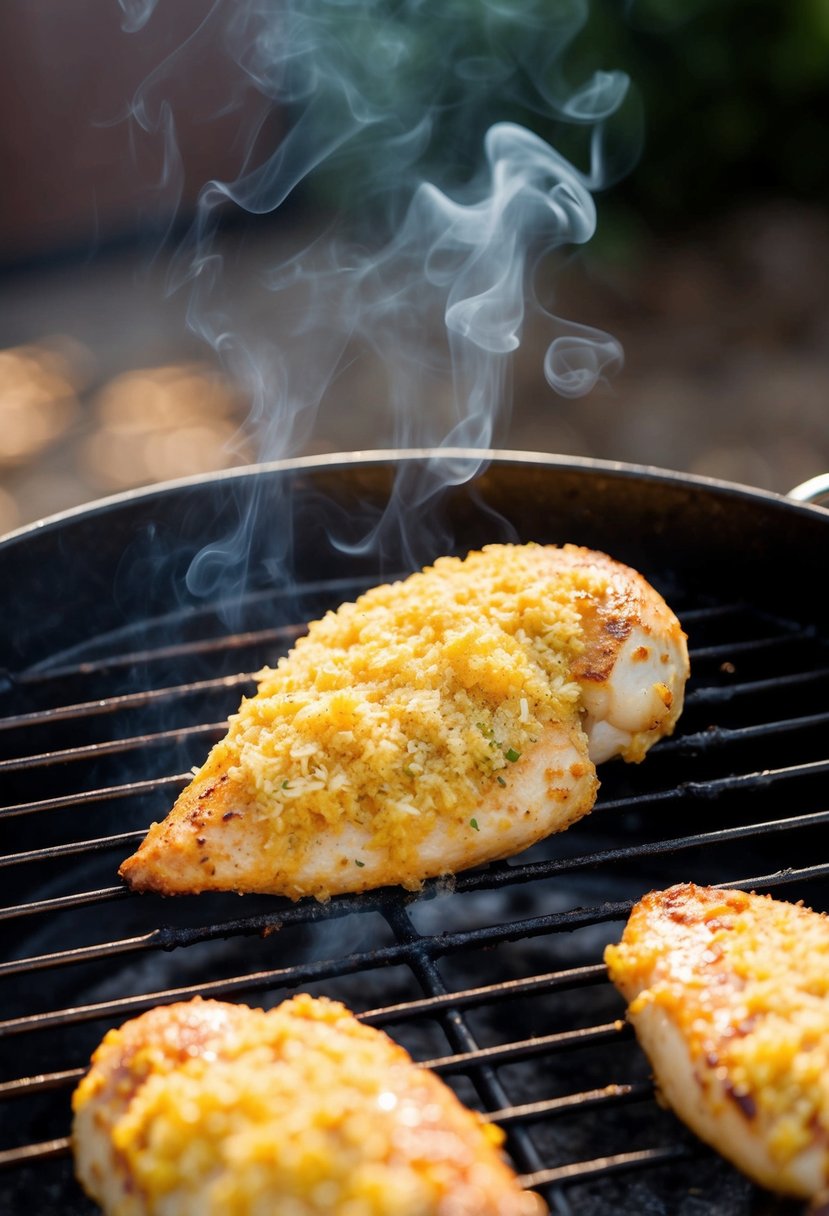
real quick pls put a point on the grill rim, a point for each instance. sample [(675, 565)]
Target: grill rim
[(335, 461)]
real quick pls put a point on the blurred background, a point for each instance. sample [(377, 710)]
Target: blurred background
[(710, 262)]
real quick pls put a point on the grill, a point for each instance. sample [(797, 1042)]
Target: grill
[(123, 654)]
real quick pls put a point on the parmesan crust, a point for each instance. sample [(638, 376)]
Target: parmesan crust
[(418, 717), (209, 1109), (729, 995), (415, 694)]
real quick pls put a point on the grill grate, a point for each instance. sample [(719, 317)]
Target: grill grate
[(494, 979)]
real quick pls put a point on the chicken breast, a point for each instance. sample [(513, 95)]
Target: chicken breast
[(434, 724), (729, 997), (211, 1109)]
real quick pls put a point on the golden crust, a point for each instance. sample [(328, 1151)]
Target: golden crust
[(431, 725), (729, 995), (217, 1109)]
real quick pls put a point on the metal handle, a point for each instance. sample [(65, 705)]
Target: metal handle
[(815, 490)]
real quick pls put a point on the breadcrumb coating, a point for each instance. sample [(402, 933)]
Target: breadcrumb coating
[(443, 721), (210, 1109), (396, 708), (744, 979)]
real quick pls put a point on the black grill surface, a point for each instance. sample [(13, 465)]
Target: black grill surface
[(494, 979)]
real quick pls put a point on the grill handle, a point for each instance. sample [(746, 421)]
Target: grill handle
[(815, 490)]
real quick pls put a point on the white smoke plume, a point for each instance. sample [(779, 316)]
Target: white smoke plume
[(405, 114)]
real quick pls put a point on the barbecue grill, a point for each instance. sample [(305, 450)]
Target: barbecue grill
[(133, 627)]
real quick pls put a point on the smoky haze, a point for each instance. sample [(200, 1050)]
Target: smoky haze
[(398, 125)]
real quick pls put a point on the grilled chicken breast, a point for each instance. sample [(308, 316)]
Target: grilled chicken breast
[(729, 997), (434, 724), (211, 1109)]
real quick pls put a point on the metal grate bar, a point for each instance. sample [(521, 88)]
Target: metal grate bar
[(168, 938), (88, 954), (77, 848), (112, 747), (129, 789), (703, 740), (721, 736), (44, 674), (720, 694), (500, 876), (331, 588), (125, 701), (46, 1151), (779, 878), (438, 945), (286, 634), (707, 790), (609, 1095), (140, 658), (716, 786), (524, 1049), (707, 740), (571, 977), (700, 740), (22, 1087), (721, 612), (133, 700), (171, 938), (62, 902), (585, 1171), (728, 650)]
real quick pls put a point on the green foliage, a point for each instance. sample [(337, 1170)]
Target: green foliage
[(735, 95), (729, 99)]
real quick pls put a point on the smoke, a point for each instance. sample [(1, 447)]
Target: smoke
[(406, 123), (136, 13)]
